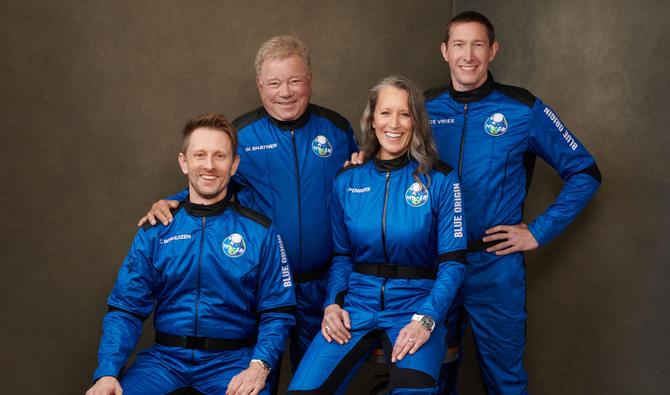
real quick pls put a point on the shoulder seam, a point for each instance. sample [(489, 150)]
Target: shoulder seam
[(251, 214), (442, 167), (521, 95), (345, 169), (432, 93), (248, 118), (334, 117)]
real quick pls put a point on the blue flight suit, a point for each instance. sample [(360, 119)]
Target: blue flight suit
[(286, 172), (492, 135), (219, 285), (399, 249)]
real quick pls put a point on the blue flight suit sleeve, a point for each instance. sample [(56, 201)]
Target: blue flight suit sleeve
[(276, 301), (180, 196), (451, 248), (342, 263), (353, 144), (130, 303), (553, 142), (240, 185)]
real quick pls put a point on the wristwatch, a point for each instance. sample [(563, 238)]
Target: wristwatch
[(263, 364), (426, 321)]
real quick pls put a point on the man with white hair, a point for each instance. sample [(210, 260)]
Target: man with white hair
[(291, 151)]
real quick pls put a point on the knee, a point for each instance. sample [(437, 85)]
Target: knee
[(411, 381)]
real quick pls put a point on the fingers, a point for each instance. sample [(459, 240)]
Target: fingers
[(162, 212), (496, 236), (420, 340), (397, 346), (325, 329), (333, 326), (234, 385), (151, 218), (507, 251), (500, 246), (244, 389), (346, 320), (496, 229), (402, 346), (142, 221)]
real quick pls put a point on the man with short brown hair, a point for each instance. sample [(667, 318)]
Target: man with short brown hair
[(216, 279), (492, 134)]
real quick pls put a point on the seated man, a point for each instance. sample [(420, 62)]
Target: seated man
[(216, 278)]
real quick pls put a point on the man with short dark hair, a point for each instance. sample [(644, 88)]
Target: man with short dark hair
[(216, 279), (492, 134)]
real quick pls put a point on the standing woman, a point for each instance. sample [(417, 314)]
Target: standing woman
[(399, 252)]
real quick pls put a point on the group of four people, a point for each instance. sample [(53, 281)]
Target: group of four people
[(378, 254)]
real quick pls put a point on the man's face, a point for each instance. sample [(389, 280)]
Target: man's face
[(285, 86), (468, 53), (209, 162)]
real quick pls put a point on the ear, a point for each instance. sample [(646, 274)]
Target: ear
[(258, 84), (182, 163), (443, 49), (236, 162), (494, 50)]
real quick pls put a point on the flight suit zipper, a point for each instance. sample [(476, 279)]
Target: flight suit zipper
[(386, 255), (297, 180), (386, 197), (465, 126), (197, 300)]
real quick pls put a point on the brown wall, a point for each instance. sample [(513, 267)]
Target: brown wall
[(597, 296), (94, 94), (94, 97)]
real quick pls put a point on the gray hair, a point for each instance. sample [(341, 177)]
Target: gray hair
[(422, 146), (281, 47)]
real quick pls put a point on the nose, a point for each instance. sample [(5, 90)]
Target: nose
[(284, 90), (394, 122), (468, 53), (209, 162)]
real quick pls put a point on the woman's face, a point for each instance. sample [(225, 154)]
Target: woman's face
[(392, 122)]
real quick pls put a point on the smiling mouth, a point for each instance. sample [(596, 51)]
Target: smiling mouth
[(393, 135), (208, 177), (468, 68)]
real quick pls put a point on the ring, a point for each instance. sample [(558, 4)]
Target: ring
[(411, 340), (327, 328)]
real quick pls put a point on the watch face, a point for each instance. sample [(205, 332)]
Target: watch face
[(427, 323)]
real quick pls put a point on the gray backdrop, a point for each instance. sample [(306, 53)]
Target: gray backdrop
[(95, 93)]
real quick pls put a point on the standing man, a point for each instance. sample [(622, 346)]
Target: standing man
[(216, 279), (291, 151), (492, 134)]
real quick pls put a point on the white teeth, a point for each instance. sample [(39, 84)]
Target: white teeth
[(392, 135), (208, 177)]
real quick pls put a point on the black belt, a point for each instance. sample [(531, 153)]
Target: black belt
[(304, 277), (395, 271), (479, 245), (202, 343)]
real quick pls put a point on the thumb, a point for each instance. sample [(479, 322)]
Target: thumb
[(173, 203)]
